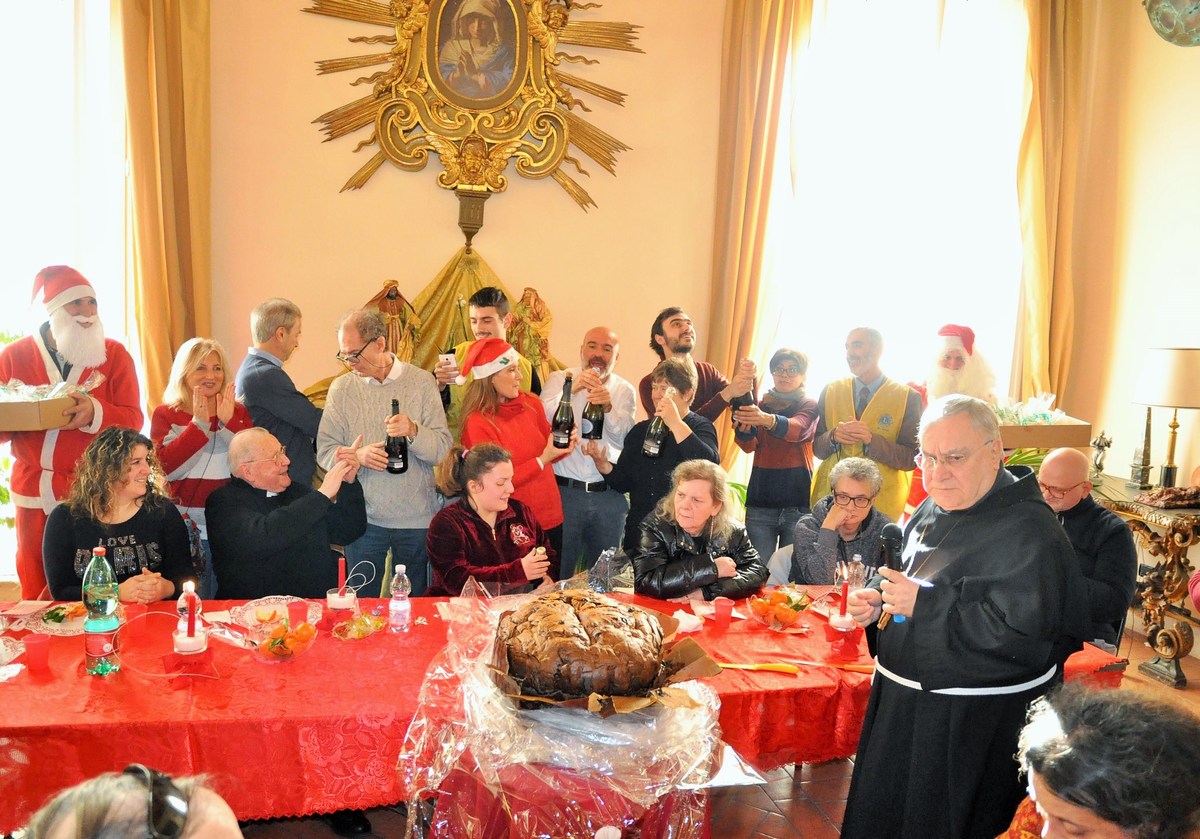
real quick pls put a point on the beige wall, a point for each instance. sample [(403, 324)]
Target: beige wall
[(281, 226), (1137, 264)]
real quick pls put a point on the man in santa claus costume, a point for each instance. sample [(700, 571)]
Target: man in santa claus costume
[(69, 347), (958, 369)]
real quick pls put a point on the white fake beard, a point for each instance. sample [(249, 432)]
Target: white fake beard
[(974, 379), (79, 346)]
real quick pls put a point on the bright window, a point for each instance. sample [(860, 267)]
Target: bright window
[(895, 204), (65, 150)]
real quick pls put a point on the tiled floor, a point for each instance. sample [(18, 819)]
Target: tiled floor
[(806, 801)]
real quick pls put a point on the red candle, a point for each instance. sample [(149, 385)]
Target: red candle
[(191, 606), (341, 575), (845, 596)]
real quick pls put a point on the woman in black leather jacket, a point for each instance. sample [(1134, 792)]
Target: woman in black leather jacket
[(691, 543)]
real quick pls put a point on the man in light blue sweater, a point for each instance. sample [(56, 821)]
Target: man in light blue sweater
[(358, 414)]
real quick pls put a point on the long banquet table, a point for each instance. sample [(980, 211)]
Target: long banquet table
[(324, 732)]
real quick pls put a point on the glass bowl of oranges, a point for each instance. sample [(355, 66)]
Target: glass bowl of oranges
[(279, 641), (779, 607)]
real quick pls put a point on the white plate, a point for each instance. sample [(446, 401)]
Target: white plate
[(72, 626), (10, 648), (244, 615)]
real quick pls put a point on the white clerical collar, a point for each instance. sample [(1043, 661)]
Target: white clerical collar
[(271, 494)]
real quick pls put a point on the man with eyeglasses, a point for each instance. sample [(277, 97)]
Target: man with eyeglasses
[(359, 407), (868, 415), (991, 603), (1103, 542), (268, 392), (272, 535)]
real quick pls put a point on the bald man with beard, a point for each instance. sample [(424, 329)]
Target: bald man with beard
[(69, 348), (594, 515)]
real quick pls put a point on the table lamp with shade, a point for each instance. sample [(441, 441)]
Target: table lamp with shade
[(1170, 378)]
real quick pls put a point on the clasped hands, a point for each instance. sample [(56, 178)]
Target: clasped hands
[(898, 596), (146, 587), (850, 432)]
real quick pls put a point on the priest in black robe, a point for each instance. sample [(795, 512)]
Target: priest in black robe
[(977, 625)]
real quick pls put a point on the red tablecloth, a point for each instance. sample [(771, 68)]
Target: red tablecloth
[(323, 732), (320, 733), (774, 719)]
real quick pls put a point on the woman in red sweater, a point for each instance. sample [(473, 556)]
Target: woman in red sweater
[(485, 534), (191, 433), (496, 410)]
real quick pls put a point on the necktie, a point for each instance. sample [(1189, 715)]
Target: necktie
[(864, 396)]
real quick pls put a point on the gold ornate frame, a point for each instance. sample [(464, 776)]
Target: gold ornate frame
[(527, 112)]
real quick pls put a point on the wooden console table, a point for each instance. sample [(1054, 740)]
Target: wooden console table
[(1162, 589)]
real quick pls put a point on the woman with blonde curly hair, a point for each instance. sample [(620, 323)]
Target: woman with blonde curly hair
[(191, 432), (691, 544), (116, 501)]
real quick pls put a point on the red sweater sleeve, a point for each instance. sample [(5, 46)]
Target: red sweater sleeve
[(174, 454)]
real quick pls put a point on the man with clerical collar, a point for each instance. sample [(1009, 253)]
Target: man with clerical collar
[(868, 415), (977, 624), (358, 415), (272, 535), (1102, 541), (594, 517), (69, 348), (267, 390)]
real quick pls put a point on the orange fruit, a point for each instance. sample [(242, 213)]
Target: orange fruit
[(777, 597), (265, 614), (278, 631), (785, 615), (760, 607), (305, 632)]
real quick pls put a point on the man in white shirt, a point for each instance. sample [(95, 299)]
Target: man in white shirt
[(594, 515)]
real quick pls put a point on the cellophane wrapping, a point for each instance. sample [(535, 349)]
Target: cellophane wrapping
[(493, 769)]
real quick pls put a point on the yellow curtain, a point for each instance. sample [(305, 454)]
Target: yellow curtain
[(1046, 189), (165, 44), (760, 38)]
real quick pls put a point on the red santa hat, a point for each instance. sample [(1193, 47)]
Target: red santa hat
[(959, 336), (59, 285), (485, 357)]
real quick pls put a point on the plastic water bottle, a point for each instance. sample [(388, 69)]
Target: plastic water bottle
[(400, 609), (99, 628)]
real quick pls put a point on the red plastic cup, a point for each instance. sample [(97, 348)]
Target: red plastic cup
[(37, 651), (297, 612), (135, 620), (722, 611)]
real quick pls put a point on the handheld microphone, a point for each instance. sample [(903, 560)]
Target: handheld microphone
[(893, 542)]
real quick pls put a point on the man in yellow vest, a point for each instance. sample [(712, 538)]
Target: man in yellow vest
[(490, 318), (868, 415)]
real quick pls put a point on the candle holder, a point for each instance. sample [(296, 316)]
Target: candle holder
[(190, 644)]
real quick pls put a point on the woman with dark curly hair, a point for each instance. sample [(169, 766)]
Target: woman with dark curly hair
[(117, 501), (1109, 764)]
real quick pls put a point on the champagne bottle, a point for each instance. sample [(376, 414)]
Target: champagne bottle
[(593, 419), (564, 418), (396, 448), (657, 432)]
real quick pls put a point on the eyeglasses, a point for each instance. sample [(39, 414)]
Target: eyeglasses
[(354, 357), (278, 457), (860, 501), (167, 809), (790, 372), (950, 461), (1059, 492)]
